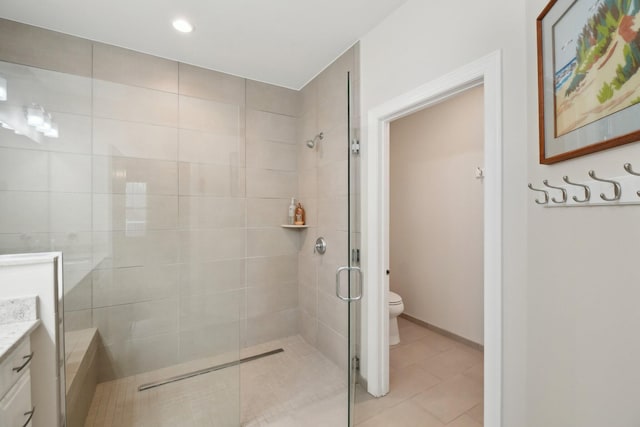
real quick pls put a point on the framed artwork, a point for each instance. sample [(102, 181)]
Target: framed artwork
[(588, 76)]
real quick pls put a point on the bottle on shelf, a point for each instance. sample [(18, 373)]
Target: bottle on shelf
[(300, 215), (292, 212)]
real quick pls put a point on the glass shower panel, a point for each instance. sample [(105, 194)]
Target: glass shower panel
[(168, 291), (45, 179), (112, 174), (45, 145)]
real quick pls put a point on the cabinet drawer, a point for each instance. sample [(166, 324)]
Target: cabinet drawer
[(15, 406), (9, 369)]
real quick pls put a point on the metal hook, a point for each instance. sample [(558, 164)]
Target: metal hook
[(546, 195), (616, 187), (564, 192), (587, 190), (627, 167)]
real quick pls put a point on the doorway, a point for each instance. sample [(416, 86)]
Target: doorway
[(436, 215), (375, 259), (435, 258)]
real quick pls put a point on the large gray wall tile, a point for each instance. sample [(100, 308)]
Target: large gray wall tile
[(212, 148), (24, 212), (211, 212), (210, 116), (130, 139), (37, 47), (272, 155), (120, 175), (134, 284), (136, 104), (271, 184), (23, 170), (212, 244), (275, 99), (266, 271), (197, 179), (120, 212), (134, 68), (213, 85), (271, 127), (272, 242), (212, 277), (267, 212), (271, 326), (264, 300)]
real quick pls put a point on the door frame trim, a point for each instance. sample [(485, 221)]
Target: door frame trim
[(375, 224)]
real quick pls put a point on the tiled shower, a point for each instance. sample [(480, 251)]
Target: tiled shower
[(166, 190)]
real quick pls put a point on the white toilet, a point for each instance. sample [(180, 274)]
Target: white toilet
[(396, 307)]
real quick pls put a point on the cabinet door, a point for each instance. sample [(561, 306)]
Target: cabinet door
[(15, 406), (17, 358)]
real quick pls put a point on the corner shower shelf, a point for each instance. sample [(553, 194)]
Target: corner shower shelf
[(294, 226)]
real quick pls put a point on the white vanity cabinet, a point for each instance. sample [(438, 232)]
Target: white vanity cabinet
[(31, 341), (16, 409)]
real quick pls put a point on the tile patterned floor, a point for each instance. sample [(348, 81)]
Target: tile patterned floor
[(274, 391), (434, 382)]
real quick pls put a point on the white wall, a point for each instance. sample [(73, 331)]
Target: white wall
[(436, 214), (583, 293), (424, 40)]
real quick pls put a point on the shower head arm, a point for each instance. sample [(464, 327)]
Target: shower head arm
[(312, 142)]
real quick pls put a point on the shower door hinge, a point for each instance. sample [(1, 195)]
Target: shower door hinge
[(355, 256), (355, 146), (356, 363)]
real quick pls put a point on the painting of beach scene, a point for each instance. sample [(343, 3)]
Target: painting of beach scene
[(596, 57)]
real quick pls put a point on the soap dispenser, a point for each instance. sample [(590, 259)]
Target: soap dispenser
[(292, 212)]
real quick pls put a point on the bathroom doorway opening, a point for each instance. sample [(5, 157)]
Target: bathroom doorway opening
[(436, 174), (485, 71), (436, 255)]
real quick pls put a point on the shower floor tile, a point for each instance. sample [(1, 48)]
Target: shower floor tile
[(287, 387)]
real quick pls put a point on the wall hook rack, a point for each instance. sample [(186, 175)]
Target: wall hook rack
[(576, 194)]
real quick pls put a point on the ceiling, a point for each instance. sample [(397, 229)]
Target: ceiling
[(283, 42)]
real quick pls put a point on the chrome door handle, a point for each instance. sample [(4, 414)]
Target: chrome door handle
[(358, 283)]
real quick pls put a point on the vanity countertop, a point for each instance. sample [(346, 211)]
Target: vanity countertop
[(12, 333), (18, 318)]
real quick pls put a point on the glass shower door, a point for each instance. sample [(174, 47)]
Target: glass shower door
[(348, 277), (351, 294)]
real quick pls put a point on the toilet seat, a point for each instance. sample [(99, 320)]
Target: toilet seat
[(396, 307), (394, 299)]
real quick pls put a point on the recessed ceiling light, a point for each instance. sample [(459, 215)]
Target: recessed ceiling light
[(182, 25)]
